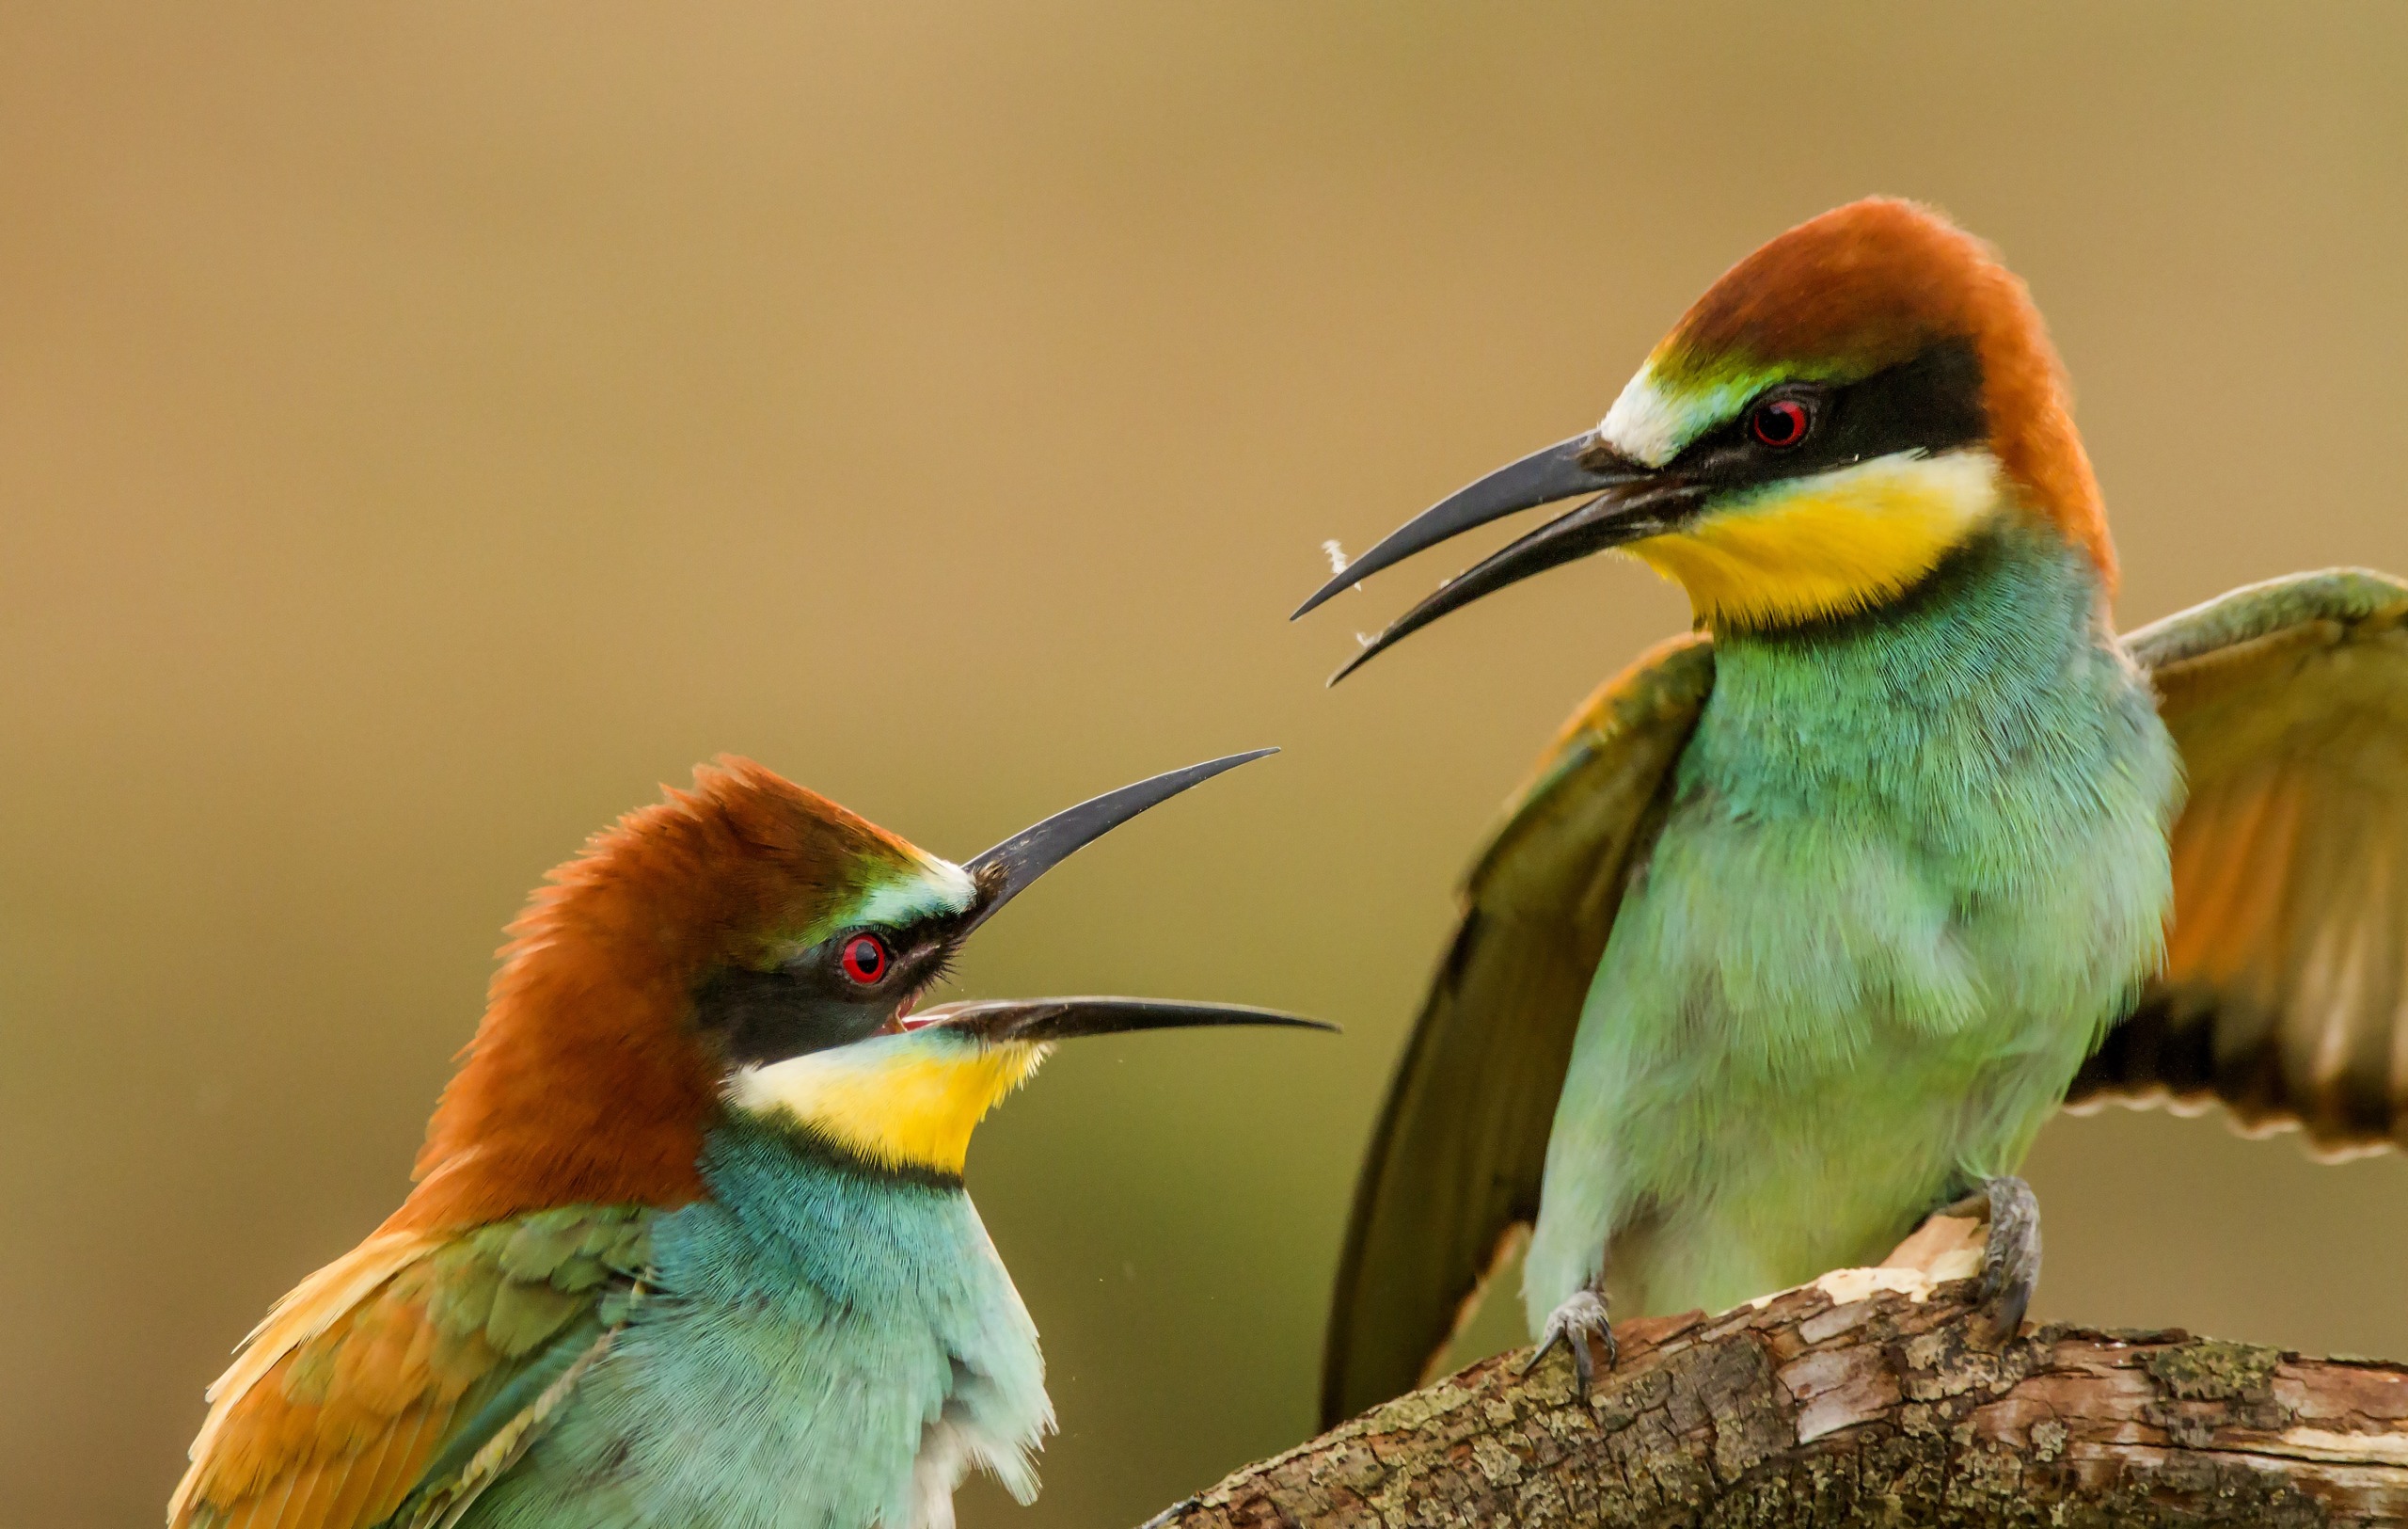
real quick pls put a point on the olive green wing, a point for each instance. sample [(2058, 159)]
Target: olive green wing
[(2285, 993), (399, 1382), (1454, 1165)]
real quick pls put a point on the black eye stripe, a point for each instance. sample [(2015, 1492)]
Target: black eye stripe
[(769, 1016), (817, 999), (1932, 403)]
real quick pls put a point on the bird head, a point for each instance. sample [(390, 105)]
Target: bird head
[(751, 946), (1839, 412)]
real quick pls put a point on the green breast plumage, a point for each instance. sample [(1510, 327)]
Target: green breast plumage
[(1913, 865), (826, 1348)]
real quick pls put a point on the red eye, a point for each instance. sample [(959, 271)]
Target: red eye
[(865, 958), (1780, 423)]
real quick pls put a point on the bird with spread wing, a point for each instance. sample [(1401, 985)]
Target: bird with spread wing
[(1812, 919)]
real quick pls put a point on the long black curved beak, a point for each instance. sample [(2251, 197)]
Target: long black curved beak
[(1061, 1019), (1005, 872), (1632, 504)]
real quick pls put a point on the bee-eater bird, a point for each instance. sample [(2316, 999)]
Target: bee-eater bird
[(688, 1243), (1810, 919)]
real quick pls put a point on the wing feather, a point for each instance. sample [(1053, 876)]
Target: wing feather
[(302, 1313), (396, 1383), (1453, 1174), (2286, 959)]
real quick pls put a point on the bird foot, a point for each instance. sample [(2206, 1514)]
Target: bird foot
[(2010, 1255), (1581, 1317)]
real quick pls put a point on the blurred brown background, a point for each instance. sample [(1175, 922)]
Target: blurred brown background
[(424, 428)]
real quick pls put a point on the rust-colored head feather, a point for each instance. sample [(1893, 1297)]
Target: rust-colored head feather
[(1875, 282), (585, 1082)]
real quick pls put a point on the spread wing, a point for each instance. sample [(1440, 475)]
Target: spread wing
[(1453, 1167), (2285, 993), (398, 1382)]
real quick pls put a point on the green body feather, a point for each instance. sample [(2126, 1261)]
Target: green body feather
[(1914, 863), (817, 1346)]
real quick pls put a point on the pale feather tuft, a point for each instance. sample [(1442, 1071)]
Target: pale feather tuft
[(306, 1311)]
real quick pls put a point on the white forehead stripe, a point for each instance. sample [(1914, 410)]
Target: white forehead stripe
[(1641, 425), (1649, 424), (943, 887)]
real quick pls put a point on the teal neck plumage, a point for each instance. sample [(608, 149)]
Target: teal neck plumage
[(1915, 862), (1987, 680), (828, 1345)]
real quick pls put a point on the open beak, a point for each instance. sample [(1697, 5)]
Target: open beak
[(1631, 503), (1061, 1019), (1006, 871)]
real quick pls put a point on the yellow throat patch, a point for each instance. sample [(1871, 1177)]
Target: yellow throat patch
[(905, 1101), (1826, 545)]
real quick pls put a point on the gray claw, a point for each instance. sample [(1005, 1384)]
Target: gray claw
[(2010, 1260), (1581, 1317)]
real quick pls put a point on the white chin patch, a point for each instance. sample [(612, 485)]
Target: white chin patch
[(790, 1087)]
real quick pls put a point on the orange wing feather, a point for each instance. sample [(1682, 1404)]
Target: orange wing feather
[(378, 1367), (2285, 994)]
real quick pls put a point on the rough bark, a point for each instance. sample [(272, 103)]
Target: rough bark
[(1859, 1400)]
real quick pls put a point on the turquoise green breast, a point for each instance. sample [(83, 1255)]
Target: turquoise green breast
[(1915, 862), (824, 1349)]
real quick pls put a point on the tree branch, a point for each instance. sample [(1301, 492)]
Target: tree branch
[(1858, 1400)]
